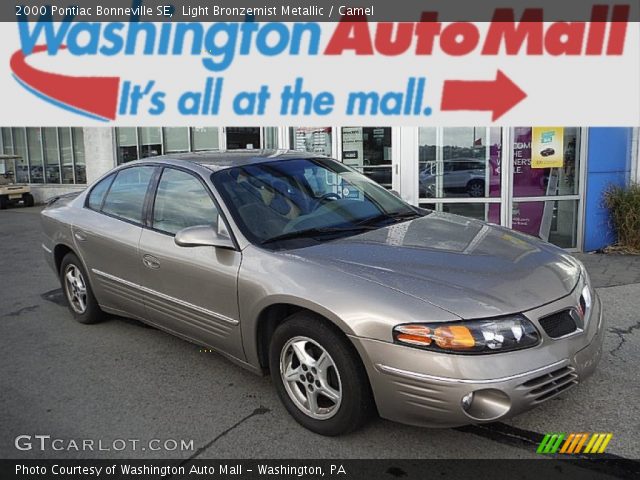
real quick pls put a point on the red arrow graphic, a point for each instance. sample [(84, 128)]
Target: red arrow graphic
[(498, 96)]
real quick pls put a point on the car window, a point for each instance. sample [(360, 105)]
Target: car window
[(126, 195), (182, 201), (97, 194)]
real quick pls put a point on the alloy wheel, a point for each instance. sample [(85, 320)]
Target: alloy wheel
[(311, 378), (476, 189), (75, 289)]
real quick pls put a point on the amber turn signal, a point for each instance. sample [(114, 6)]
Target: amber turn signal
[(454, 337), (414, 334)]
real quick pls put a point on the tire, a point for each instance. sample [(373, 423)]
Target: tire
[(4, 202), (475, 188), (27, 198), (343, 373), (81, 301)]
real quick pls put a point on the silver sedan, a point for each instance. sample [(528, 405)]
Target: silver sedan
[(354, 301)]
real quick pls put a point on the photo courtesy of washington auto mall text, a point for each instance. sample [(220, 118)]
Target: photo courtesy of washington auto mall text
[(287, 239)]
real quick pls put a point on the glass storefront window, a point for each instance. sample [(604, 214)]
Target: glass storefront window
[(555, 221), (66, 155), (311, 139), (488, 212), (176, 139), (127, 140), (150, 142), (463, 163), (205, 138), (20, 149), (51, 155), (7, 141), (34, 145), (270, 137), (243, 138), (78, 154), (368, 150), (532, 148)]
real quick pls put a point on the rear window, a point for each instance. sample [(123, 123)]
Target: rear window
[(126, 195), (97, 194)]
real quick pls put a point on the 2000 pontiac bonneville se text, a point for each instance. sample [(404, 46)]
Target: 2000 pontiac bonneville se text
[(353, 300)]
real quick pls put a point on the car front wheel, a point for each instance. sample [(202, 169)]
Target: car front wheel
[(77, 290), (475, 188), (319, 376)]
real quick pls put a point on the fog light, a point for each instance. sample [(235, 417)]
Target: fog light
[(467, 400), (486, 404)]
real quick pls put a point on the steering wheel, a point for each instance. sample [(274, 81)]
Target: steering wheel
[(325, 197)]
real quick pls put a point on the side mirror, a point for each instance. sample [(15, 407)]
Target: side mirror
[(202, 236)]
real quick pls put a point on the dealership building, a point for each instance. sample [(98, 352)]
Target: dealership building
[(545, 181)]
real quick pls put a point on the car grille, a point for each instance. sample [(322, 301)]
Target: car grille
[(551, 384), (558, 324)]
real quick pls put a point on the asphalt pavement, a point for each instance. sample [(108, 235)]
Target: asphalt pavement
[(120, 380)]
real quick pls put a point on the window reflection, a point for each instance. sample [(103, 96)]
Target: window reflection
[(368, 150), (464, 163), (194, 208)]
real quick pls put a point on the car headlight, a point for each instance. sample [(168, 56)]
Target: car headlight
[(494, 335), (584, 274)]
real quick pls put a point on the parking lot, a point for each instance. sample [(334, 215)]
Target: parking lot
[(122, 380)]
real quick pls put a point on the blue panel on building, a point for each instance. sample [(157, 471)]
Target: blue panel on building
[(608, 163)]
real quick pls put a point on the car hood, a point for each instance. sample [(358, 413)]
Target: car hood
[(466, 267)]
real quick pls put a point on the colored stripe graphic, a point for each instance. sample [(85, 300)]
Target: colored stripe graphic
[(550, 443), (94, 97), (598, 443), (573, 443)]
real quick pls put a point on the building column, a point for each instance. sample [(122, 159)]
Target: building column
[(635, 155), (608, 163), (99, 151)]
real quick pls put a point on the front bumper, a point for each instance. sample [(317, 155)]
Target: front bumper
[(425, 388)]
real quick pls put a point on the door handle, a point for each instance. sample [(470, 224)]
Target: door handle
[(150, 261), (80, 235)]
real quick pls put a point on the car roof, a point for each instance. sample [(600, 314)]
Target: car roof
[(236, 158)]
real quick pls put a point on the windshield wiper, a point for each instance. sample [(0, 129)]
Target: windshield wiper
[(388, 216), (315, 232)]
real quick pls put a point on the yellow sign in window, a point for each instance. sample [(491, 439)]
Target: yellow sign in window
[(547, 147)]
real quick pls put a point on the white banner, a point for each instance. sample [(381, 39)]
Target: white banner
[(447, 74)]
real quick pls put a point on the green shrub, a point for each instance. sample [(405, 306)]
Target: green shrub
[(624, 207)]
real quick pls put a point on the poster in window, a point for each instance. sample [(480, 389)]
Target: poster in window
[(352, 146), (547, 147)]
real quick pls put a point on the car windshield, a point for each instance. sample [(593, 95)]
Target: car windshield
[(300, 202)]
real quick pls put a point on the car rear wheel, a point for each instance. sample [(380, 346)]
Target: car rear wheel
[(27, 198), (4, 202), (319, 376), (77, 290)]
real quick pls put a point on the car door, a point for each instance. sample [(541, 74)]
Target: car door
[(107, 235), (190, 291)]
